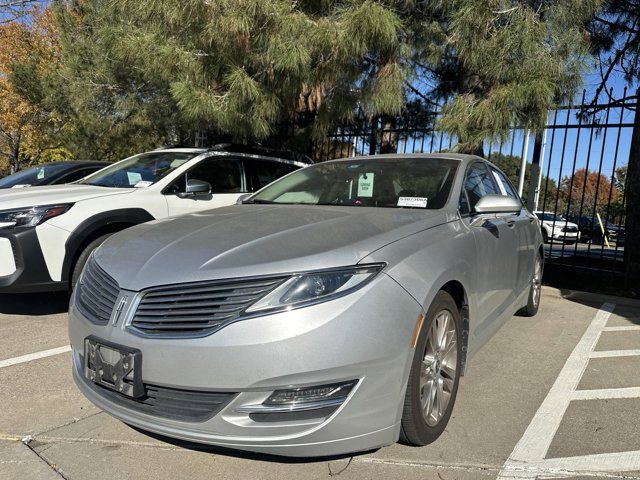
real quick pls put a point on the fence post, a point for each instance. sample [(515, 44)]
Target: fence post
[(373, 137), (535, 173), (632, 224)]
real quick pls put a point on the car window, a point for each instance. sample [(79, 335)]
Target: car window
[(224, 175), (378, 182), (33, 176), (504, 185), (479, 183), (139, 171), (266, 171), (77, 174)]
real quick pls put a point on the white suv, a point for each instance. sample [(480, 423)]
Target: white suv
[(47, 233), (556, 227)]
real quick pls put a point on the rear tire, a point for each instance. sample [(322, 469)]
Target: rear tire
[(535, 291), (435, 374), (83, 257)]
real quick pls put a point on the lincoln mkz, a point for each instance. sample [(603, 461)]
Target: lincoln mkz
[(332, 311)]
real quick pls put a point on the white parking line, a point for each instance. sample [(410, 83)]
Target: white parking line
[(532, 448), (626, 328), (606, 393), (34, 356), (615, 353)]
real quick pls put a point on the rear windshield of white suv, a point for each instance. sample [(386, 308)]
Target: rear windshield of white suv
[(139, 171)]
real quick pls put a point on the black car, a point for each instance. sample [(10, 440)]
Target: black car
[(590, 230), (53, 173)]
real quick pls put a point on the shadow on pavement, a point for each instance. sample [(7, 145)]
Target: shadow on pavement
[(229, 452), (34, 303), (626, 308)]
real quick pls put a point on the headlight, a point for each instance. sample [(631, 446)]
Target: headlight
[(314, 287), (32, 216)]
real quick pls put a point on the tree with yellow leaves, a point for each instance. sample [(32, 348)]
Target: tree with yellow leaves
[(26, 131)]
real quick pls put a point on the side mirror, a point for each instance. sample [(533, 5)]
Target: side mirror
[(196, 187), (498, 204), (242, 198)]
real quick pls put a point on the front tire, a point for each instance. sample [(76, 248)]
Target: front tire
[(535, 291), (435, 374), (83, 257)]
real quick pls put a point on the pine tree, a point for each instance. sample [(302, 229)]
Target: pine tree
[(146, 71)]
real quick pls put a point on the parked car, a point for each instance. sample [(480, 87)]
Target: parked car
[(556, 227), (616, 233), (333, 311), (54, 173), (47, 233), (591, 231)]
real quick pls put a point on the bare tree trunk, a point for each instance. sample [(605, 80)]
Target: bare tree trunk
[(14, 157), (632, 224), (389, 135)]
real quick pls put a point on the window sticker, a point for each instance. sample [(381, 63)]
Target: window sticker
[(365, 185), (142, 184), (134, 177), (40, 175), (417, 202)]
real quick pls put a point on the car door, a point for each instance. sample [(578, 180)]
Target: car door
[(523, 229), (496, 244), (226, 177)]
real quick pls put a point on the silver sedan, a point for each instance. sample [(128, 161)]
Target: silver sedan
[(333, 311)]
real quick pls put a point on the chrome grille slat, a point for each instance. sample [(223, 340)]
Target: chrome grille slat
[(97, 293), (202, 296), (209, 289), (198, 308), (203, 303), (203, 311)]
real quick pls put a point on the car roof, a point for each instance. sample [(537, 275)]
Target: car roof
[(72, 163), (256, 150), (446, 155)]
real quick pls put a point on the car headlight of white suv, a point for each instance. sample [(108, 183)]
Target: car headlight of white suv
[(31, 216)]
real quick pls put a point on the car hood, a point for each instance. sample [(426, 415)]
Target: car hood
[(53, 194), (249, 240)]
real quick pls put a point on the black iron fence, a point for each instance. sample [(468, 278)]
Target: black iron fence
[(573, 174)]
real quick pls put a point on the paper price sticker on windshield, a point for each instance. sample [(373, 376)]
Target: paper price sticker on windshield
[(365, 185), (142, 184), (418, 202)]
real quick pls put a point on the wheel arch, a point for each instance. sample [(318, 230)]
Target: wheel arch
[(95, 226), (457, 291)]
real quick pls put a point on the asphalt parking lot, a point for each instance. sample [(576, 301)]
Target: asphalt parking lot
[(557, 395)]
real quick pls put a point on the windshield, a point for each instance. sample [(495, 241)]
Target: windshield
[(139, 171), (32, 176), (550, 217), (391, 183)]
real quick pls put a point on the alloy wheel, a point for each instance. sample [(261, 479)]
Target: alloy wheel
[(536, 283), (438, 369)]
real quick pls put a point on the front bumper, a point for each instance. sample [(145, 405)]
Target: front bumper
[(565, 236), (364, 336), (23, 266)]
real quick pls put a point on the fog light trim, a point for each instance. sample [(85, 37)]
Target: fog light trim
[(301, 399)]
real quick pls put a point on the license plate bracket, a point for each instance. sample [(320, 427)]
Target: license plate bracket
[(113, 366)]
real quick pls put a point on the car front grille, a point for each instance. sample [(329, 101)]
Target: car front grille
[(570, 229), (197, 309), (97, 293), (171, 403)]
